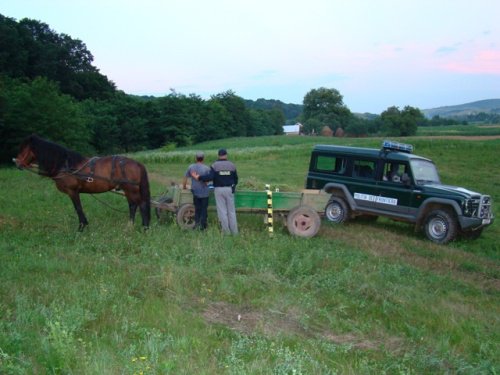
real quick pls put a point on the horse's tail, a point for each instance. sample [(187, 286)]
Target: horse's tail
[(145, 194)]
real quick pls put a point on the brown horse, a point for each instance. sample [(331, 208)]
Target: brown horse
[(75, 174)]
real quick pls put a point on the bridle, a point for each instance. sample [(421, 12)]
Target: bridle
[(25, 159)]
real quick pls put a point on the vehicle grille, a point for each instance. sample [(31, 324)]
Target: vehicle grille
[(479, 207)]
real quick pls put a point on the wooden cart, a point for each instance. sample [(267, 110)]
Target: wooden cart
[(301, 209)]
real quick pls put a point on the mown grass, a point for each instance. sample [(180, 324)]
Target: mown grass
[(361, 298)]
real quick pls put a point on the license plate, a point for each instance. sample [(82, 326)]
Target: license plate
[(486, 221)]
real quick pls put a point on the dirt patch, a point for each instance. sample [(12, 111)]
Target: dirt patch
[(271, 323), (9, 221), (246, 320)]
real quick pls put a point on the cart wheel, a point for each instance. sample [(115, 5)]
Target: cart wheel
[(303, 221), (185, 216)]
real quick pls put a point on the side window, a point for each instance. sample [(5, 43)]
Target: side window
[(364, 169), (331, 164), (393, 172)]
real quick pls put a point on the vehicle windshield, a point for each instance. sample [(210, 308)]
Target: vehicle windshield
[(424, 172)]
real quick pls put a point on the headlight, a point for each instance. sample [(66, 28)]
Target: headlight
[(485, 207)]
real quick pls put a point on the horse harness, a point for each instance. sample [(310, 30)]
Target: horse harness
[(116, 161)]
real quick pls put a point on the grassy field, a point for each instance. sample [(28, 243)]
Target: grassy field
[(460, 130), (362, 298)]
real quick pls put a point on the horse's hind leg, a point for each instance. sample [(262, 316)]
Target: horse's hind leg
[(75, 198), (145, 214)]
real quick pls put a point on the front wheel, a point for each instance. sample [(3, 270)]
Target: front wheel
[(337, 210), (441, 226), (303, 221)]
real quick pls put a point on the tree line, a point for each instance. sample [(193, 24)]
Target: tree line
[(49, 86), (324, 107)]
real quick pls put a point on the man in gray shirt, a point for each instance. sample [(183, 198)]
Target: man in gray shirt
[(200, 191)]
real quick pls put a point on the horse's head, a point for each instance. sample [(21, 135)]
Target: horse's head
[(26, 156)]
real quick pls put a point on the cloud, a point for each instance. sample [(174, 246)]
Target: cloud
[(483, 62), (445, 50)]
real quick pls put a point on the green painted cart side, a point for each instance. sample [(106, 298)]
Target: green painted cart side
[(282, 201), (302, 209)]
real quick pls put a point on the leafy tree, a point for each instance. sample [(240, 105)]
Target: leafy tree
[(268, 122), (13, 54), (312, 126), (39, 107), (216, 121), (290, 111), (440, 121), (327, 107), (117, 124), (277, 119), (179, 118), (240, 124), (103, 126), (401, 123), (30, 49), (357, 127)]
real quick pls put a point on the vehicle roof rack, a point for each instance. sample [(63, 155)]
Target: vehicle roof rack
[(396, 146)]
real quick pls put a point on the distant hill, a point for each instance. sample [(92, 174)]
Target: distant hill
[(291, 111), (491, 106), (467, 111)]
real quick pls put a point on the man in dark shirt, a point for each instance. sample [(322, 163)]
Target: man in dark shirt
[(225, 178)]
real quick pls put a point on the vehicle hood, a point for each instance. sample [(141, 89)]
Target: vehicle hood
[(451, 190)]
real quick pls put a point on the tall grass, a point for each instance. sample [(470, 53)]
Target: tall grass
[(361, 298), (460, 130)]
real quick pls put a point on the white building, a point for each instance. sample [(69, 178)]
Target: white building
[(292, 129)]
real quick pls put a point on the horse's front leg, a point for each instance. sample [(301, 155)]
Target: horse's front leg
[(132, 206), (75, 198)]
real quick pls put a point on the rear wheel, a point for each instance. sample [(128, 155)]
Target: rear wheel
[(185, 216), (337, 210), (441, 226), (303, 221)]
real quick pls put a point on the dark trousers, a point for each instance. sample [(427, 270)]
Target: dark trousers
[(200, 212)]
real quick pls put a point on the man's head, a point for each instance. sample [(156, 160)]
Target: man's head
[(222, 153), (200, 156)]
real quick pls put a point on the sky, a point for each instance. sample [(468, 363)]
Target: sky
[(376, 53)]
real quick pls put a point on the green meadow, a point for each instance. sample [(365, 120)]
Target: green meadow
[(360, 298)]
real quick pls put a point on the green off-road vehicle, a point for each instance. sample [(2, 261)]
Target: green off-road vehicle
[(395, 183)]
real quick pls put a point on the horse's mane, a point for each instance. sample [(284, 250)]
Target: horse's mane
[(51, 156)]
